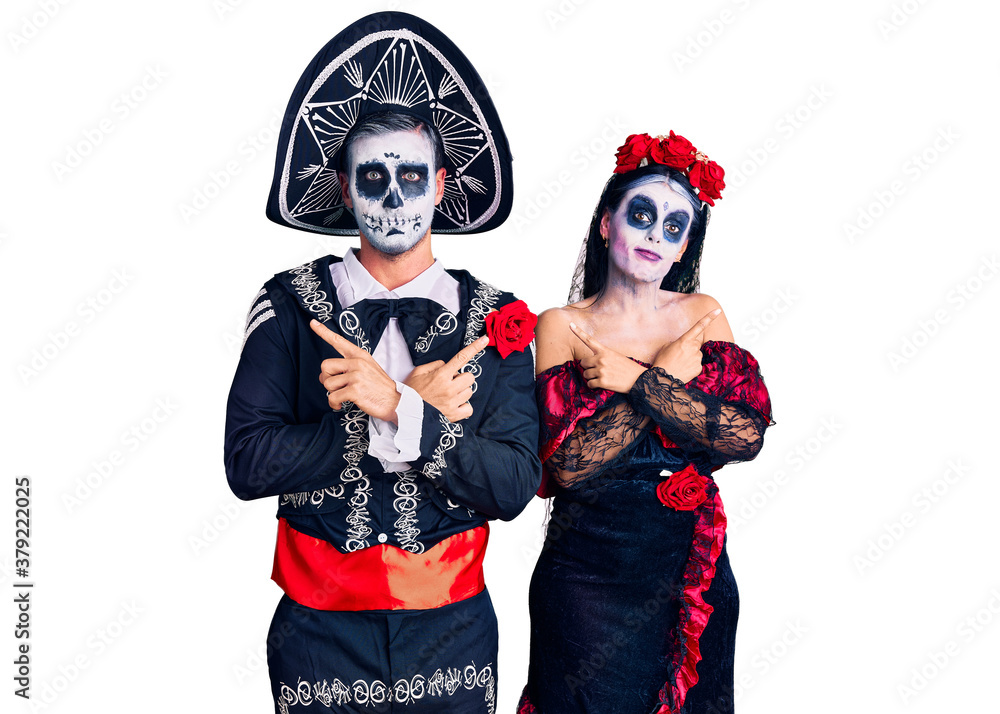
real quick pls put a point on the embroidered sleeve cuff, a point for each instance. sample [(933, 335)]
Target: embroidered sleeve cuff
[(435, 432)]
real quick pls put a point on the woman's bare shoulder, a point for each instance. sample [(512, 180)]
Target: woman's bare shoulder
[(553, 337), (699, 305)]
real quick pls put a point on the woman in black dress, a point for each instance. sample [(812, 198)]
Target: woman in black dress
[(643, 395)]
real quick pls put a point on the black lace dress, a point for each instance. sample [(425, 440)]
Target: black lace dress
[(633, 603)]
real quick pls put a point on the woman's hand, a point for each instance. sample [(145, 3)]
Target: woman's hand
[(605, 368), (681, 359)]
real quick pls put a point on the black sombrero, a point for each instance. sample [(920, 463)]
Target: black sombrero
[(390, 61)]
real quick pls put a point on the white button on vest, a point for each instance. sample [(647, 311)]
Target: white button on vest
[(382, 537)]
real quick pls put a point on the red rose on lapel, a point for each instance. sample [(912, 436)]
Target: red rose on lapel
[(512, 327), (683, 490)]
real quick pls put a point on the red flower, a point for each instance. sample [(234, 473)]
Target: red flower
[(674, 151), (678, 153), (683, 490), (512, 327), (707, 177), (635, 149)]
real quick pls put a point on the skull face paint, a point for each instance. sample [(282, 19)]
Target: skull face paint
[(649, 230), (392, 188)]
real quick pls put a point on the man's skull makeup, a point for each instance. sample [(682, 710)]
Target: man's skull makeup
[(392, 187)]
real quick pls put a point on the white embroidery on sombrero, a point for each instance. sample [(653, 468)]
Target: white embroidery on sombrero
[(398, 80), (474, 184), (446, 87), (352, 70)]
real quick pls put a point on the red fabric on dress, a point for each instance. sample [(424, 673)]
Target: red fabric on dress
[(729, 372), (706, 546)]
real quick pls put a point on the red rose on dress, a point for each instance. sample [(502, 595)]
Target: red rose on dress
[(512, 327), (683, 490), (707, 177), (674, 151), (634, 150)]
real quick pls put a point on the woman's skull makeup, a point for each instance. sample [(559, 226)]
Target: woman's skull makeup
[(392, 188), (648, 230)]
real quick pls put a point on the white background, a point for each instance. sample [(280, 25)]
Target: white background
[(134, 238)]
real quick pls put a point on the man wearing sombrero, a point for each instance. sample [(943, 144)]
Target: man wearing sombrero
[(386, 401)]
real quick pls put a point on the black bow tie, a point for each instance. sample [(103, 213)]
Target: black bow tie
[(430, 329)]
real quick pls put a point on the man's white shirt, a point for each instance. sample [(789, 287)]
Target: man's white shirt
[(395, 446)]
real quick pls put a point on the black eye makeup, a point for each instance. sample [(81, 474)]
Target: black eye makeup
[(674, 225), (372, 179), (641, 213), (412, 179)]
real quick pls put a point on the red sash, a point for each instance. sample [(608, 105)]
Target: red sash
[(383, 577)]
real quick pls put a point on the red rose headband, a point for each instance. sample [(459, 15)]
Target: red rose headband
[(678, 153)]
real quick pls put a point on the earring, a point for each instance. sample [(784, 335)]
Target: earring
[(605, 240)]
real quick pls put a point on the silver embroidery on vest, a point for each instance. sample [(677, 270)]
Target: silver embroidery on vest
[(306, 284), (449, 437), (350, 325), (355, 424), (482, 304), (485, 297), (405, 504), (445, 324)]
